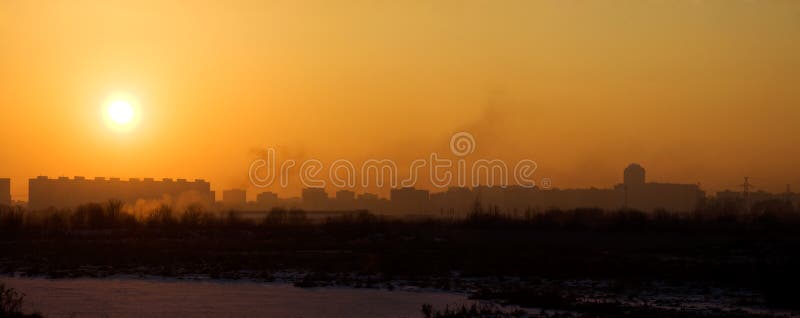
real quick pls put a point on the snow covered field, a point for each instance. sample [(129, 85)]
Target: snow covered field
[(158, 297)]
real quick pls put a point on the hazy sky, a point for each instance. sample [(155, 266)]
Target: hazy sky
[(695, 91)]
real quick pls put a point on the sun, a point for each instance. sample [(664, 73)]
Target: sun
[(121, 113)]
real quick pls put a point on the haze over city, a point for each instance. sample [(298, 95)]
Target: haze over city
[(400, 158), (697, 91)]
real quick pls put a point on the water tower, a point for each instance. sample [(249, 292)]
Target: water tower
[(634, 175)]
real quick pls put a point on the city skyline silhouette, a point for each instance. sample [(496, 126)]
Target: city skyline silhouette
[(582, 89), (428, 159), (633, 192)]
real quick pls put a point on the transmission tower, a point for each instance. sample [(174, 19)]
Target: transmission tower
[(746, 187)]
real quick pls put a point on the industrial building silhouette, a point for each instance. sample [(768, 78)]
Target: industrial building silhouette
[(641, 195), (63, 192), (635, 192), (234, 198)]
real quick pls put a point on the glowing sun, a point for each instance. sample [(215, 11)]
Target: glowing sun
[(121, 113)]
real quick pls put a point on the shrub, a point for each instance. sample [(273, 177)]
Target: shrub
[(11, 303)]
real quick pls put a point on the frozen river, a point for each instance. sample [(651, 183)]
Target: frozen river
[(133, 297)]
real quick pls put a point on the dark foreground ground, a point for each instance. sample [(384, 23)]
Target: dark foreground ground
[(576, 263)]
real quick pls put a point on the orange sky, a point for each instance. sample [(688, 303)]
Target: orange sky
[(696, 91)]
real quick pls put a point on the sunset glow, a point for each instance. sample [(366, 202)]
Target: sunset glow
[(432, 159), (120, 114), (581, 87)]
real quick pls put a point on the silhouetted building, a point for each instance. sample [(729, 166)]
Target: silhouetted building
[(410, 201), (5, 191), (634, 175), (234, 198), (267, 200), (64, 192), (634, 192), (641, 195), (345, 195), (606, 199), (454, 201), (371, 202), (345, 200), (368, 197), (491, 196), (315, 199)]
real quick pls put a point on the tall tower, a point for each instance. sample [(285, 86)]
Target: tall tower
[(633, 179), (634, 175)]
